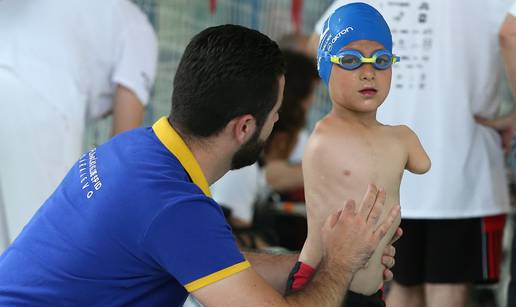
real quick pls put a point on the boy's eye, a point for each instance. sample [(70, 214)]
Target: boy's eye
[(349, 60), (383, 60)]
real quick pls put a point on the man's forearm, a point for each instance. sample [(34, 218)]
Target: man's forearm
[(283, 176), (328, 288), (274, 268)]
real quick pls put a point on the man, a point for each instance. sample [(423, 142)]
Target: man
[(453, 230), (133, 222)]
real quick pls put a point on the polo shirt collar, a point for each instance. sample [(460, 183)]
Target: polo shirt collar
[(175, 144)]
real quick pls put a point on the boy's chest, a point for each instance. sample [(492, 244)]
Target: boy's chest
[(379, 156)]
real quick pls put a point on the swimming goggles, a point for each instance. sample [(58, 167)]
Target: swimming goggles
[(350, 59)]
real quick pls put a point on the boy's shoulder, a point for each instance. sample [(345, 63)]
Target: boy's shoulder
[(325, 133), (330, 125), (397, 130)]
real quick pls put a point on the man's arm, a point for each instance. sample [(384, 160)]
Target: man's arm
[(506, 124), (127, 110), (283, 176), (349, 240), (507, 39), (275, 268)]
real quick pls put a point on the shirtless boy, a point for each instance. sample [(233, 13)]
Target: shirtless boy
[(349, 148)]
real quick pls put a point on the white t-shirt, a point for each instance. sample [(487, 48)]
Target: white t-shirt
[(75, 52), (449, 71), (239, 190)]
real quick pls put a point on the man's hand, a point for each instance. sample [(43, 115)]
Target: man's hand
[(388, 256), (350, 238), (505, 125)]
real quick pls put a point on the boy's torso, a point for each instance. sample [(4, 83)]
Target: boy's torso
[(354, 158)]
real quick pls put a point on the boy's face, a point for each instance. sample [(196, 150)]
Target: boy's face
[(363, 89)]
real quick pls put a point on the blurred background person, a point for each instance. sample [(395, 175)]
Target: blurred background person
[(240, 190), (284, 149), (63, 64), (283, 173), (506, 124), (295, 41)]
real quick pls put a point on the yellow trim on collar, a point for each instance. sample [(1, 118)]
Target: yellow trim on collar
[(206, 280), (175, 144)]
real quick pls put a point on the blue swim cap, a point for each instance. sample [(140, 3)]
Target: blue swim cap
[(349, 23)]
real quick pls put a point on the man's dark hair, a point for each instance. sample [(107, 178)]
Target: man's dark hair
[(225, 72)]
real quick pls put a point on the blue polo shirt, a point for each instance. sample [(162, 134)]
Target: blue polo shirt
[(132, 223)]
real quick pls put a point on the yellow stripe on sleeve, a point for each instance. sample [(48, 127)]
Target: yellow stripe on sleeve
[(206, 280)]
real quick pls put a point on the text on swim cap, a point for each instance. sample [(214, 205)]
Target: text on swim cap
[(342, 32)]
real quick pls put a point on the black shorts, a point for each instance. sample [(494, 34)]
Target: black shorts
[(449, 251), (358, 300)]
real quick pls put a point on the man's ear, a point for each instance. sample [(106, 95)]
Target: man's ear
[(243, 128)]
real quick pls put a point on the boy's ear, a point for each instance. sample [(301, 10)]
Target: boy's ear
[(243, 128)]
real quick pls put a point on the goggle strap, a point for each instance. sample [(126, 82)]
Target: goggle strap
[(335, 59)]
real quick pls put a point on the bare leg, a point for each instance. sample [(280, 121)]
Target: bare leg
[(401, 296), (446, 295)]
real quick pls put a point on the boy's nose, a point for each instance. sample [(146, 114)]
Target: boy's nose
[(367, 72)]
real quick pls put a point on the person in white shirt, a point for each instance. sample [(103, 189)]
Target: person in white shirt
[(63, 63), (285, 175), (506, 124), (239, 190), (449, 73)]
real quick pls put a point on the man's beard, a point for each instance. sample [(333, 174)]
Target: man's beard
[(248, 153)]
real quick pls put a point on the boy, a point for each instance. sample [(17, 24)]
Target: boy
[(349, 148)]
